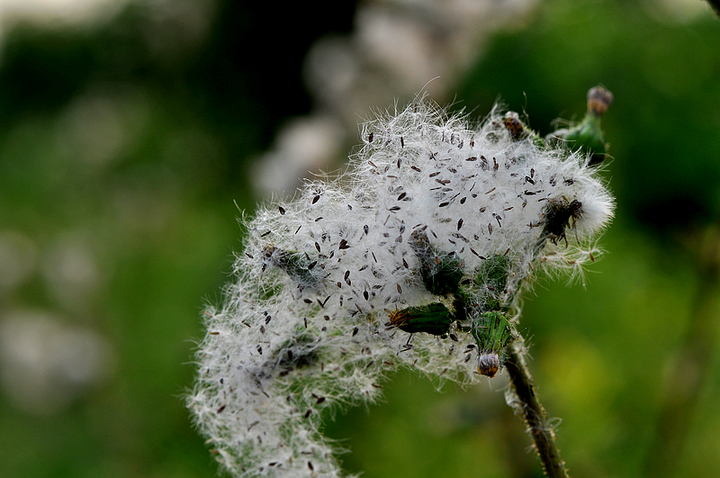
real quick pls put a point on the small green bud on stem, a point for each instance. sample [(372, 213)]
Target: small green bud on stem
[(432, 319), (492, 332), (588, 135), (493, 276), (441, 272)]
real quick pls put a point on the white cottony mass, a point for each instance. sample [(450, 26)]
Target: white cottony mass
[(414, 257)]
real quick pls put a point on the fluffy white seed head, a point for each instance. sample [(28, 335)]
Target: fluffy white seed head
[(311, 320)]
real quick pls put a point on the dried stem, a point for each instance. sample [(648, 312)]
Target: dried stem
[(533, 412)]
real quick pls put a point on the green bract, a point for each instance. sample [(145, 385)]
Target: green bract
[(431, 319)]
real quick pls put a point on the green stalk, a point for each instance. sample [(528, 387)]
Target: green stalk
[(533, 412)]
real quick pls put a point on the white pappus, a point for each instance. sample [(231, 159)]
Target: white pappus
[(335, 287)]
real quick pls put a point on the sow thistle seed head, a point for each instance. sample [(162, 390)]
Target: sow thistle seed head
[(414, 257)]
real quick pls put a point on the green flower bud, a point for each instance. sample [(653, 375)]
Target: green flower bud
[(588, 135), (432, 319), (441, 272), (492, 331), (493, 276)]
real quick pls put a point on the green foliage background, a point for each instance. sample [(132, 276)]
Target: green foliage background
[(159, 216)]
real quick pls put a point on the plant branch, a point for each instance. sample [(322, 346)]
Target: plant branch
[(533, 412)]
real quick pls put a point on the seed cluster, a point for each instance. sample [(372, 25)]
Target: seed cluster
[(413, 257)]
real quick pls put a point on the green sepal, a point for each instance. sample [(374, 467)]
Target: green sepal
[(492, 276), (441, 272), (464, 304), (432, 319), (492, 332)]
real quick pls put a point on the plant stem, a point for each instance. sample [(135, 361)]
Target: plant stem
[(533, 412)]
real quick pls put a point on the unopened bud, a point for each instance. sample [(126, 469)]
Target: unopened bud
[(599, 100)]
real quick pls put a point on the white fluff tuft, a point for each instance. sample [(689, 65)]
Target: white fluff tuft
[(306, 325)]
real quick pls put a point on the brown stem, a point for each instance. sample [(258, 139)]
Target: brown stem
[(534, 413)]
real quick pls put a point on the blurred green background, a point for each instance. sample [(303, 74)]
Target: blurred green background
[(127, 145)]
